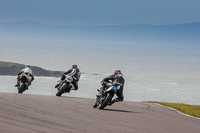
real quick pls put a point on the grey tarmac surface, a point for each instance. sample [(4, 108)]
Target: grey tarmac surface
[(25, 113)]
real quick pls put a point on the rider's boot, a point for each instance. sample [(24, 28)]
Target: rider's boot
[(113, 101), (17, 85), (76, 88)]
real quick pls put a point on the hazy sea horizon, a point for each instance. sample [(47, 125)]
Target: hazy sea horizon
[(151, 72), (150, 90)]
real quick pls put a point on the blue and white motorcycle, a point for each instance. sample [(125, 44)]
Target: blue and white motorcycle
[(104, 97)]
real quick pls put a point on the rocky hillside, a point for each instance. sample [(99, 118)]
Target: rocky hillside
[(9, 68)]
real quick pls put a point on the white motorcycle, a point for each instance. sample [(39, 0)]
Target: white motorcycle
[(65, 86), (25, 81)]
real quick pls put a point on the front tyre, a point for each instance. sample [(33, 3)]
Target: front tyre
[(105, 102), (21, 88), (95, 105), (61, 90)]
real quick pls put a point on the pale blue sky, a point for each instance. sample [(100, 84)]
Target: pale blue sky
[(101, 12)]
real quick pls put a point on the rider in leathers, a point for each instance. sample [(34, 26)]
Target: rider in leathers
[(27, 69), (75, 73), (116, 80)]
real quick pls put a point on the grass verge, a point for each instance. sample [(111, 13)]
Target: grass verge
[(193, 110)]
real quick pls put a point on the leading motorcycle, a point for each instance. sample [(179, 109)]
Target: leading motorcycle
[(25, 81), (65, 85), (104, 97)]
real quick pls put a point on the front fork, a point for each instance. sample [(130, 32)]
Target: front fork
[(101, 96)]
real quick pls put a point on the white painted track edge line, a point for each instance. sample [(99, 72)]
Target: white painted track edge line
[(179, 111)]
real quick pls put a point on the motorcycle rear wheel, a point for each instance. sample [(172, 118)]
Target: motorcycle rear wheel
[(61, 90), (105, 102)]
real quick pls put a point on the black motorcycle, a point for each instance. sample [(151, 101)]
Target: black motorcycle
[(25, 81), (104, 97), (65, 85)]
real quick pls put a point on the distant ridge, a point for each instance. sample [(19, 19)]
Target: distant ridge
[(22, 23), (174, 35), (12, 69), (9, 68)]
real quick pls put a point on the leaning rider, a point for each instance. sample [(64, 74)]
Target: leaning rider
[(27, 69), (116, 80), (75, 73)]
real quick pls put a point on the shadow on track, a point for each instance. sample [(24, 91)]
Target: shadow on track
[(117, 110)]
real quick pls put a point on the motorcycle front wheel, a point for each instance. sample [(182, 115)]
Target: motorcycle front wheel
[(105, 102), (21, 88), (61, 90)]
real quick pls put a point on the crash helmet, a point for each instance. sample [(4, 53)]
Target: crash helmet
[(117, 71), (27, 66), (74, 66)]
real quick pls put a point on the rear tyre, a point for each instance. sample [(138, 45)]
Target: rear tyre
[(62, 90), (21, 88), (105, 102)]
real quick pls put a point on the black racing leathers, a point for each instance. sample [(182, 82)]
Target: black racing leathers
[(118, 81), (75, 73)]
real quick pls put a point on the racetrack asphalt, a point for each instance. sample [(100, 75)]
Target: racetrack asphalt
[(26, 113)]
